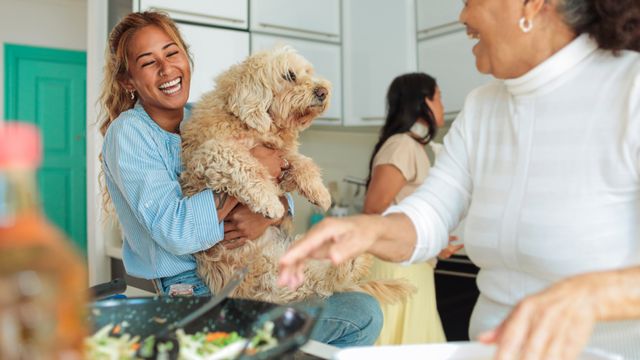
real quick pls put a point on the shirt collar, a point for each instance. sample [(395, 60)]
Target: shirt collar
[(169, 136), (552, 68)]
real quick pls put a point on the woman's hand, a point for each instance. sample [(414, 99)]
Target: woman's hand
[(272, 159), (242, 224), (335, 239), (450, 249), (553, 324)]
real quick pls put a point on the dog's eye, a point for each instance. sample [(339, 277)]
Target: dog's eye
[(290, 76)]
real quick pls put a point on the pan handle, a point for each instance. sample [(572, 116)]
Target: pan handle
[(104, 290)]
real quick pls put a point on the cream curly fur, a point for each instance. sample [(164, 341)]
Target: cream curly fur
[(267, 99)]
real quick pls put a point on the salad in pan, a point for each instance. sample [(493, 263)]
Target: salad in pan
[(113, 343)]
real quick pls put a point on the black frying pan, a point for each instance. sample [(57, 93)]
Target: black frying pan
[(144, 316)]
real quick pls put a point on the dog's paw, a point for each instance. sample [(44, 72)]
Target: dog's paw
[(320, 196), (273, 209), (324, 199)]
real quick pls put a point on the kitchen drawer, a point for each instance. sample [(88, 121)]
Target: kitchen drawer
[(209, 61), (227, 13), (437, 15), (300, 18)]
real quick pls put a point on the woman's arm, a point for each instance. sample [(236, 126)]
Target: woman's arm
[(416, 230), (139, 173), (386, 182), (391, 238), (557, 322)]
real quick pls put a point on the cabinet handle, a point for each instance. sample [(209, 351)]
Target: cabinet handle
[(287, 28), (439, 27), (372, 118), (200, 15), (455, 273), (329, 118)]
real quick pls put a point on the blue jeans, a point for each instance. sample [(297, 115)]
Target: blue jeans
[(348, 319)]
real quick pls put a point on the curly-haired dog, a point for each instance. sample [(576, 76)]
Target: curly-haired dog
[(267, 99)]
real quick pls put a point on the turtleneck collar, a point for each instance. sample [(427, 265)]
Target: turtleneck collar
[(552, 68)]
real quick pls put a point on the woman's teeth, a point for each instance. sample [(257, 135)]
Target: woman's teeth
[(473, 35), (171, 87)]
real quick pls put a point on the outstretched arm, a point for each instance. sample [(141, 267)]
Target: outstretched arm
[(390, 238)]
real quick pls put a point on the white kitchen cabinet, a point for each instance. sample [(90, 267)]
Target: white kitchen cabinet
[(228, 13), (325, 58), (319, 20), (380, 43), (213, 50), (449, 59), (434, 15)]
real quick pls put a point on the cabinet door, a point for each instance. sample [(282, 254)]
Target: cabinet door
[(325, 59), (381, 43), (434, 14), (213, 50), (449, 59), (310, 19), (230, 13)]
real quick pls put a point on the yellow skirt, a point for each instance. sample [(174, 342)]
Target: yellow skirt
[(415, 321)]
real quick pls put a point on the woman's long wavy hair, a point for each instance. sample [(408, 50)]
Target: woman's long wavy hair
[(114, 98), (405, 105)]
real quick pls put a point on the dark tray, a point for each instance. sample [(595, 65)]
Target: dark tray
[(144, 316)]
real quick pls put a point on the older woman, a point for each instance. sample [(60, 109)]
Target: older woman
[(545, 165)]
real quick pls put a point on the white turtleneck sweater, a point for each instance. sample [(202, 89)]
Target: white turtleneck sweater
[(546, 168)]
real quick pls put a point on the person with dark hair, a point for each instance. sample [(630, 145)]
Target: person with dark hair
[(398, 165), (544, 164)]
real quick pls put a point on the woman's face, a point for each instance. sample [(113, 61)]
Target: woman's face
[(501, 43), (436, 107), (159, 70)]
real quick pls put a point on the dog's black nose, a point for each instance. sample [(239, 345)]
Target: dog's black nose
[(321, 93)]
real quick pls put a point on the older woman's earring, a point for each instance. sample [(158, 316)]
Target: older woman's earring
[(132, 94), (525, 24)]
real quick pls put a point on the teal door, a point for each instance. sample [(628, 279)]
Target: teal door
[(47, 87)]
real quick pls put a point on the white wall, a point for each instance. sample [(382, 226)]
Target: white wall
[(47, 23), (339, 154)]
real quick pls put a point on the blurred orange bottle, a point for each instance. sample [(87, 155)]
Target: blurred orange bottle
[(42, 279)]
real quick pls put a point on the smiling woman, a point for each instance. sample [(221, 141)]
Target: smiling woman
[(544, 164), (144, 96)]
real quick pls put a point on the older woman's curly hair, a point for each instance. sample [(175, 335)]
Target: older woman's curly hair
[(614, 24)]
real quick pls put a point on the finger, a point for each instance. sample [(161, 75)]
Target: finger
[(542, 328), (514, 331), (232, 235), (312, 241), (489, 337), (557, 343), (230, 226), (235, 243), (453, 238)]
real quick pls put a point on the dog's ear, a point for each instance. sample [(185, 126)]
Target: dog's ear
[(250, 98)]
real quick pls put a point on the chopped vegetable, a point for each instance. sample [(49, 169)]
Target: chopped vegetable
[(217, 345)]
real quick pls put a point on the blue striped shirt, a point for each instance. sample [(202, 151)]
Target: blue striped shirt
[(161, 227)]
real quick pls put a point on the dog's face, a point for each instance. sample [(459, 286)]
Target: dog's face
[(275, 88)]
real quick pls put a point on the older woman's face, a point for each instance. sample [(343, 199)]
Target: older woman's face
[(494, 23)]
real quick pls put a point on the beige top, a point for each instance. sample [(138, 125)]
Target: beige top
[(409, 156)]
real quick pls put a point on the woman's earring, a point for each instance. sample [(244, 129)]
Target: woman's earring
[(132, 94), (525, 24)]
